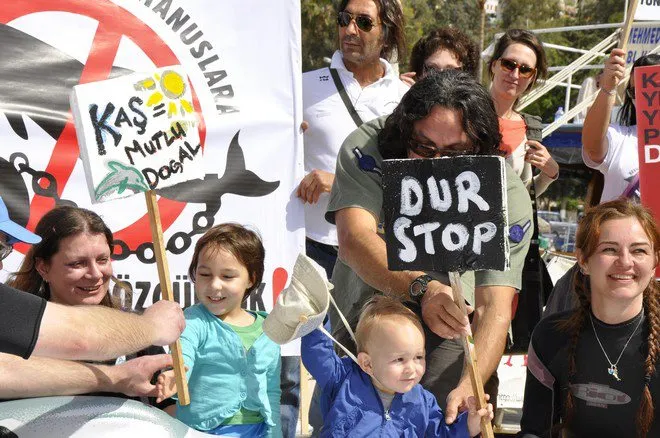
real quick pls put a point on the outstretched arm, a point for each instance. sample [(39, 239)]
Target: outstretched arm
[(491, 323), (42, 377), (538, 414), (100, 333), (320, 359), (594, 140), (364, 251)]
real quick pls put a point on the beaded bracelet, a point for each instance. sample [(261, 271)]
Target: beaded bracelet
[(609, 93)]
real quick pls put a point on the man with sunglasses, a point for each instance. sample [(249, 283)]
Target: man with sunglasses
[(444, 114), (360, 85)]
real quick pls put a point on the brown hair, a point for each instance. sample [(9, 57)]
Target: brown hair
[(445, 38), (527, 38), (56, 225), (377, 309), (586, 241), (242, 243)]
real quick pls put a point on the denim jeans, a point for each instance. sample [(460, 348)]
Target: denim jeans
[(324, 255), (290, 399)]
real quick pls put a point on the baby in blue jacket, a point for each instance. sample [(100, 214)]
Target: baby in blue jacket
[(380, 395)]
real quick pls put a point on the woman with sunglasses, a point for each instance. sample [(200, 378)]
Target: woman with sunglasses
[(612, 149), (517, 62)]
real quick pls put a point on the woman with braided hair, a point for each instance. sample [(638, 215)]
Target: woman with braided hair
[(592, 371)]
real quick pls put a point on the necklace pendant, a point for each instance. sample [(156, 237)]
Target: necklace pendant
[(614, 372)]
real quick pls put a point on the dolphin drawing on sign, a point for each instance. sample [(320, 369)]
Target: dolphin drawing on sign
[(236, 180), (120, 179)]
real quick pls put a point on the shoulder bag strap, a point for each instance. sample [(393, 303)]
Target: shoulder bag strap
[(344, 97)]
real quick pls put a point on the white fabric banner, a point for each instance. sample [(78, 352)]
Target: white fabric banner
[(243, 61)]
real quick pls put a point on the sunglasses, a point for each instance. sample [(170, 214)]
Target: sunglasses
[(5, 250), (428, 151), (363, 22), (509, 65)]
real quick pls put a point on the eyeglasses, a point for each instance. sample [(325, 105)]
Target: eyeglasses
[(5, 250), (509, 65), (428, 151), (363, 22)]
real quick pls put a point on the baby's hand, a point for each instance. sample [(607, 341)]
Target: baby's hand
[(165, 385), (475, 416)]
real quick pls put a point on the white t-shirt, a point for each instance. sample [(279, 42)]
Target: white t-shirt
[(330, 123), (621, 163)]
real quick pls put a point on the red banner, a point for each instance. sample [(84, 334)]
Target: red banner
[(647, 104)]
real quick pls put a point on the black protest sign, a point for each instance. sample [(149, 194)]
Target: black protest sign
[(445, 214)]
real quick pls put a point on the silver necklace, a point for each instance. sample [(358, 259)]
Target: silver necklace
[(613, 370)]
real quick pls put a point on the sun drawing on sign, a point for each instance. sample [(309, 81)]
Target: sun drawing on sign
[(169, 87)]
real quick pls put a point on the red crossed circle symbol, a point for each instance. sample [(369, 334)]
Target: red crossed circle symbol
[(114, 23)]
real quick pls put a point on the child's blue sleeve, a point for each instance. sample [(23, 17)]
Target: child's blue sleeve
[(320, 359), (191, 340), (437, 426), (274, 395)]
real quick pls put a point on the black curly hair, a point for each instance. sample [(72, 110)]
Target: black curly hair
[(452, 89)]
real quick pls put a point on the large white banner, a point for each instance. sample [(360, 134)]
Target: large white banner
[(243, 61)]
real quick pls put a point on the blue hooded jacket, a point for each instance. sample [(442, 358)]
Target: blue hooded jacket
[(351, 406)]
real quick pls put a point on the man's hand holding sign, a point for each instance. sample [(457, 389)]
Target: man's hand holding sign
[(447, 215), (138, 133)]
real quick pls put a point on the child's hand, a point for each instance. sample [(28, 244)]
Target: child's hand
[(475, 416), (166, 385)]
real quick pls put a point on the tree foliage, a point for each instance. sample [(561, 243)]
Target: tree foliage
[(319, 28), (319, 32)]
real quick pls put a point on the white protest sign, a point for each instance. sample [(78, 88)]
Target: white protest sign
[(648, 10), (137, 132), (643, 38)]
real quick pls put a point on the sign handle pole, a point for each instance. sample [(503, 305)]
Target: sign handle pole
[(471, 357), (166, 291), (627, 25)]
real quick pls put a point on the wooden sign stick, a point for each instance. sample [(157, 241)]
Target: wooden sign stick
[(166, 291), (471, 357), (627, 25)]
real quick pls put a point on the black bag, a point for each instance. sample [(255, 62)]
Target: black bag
[(536, 281)]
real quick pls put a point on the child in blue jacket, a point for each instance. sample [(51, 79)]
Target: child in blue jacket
[(380, 396), (233, 368)]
